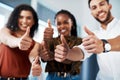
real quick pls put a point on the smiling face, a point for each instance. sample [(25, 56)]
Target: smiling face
[(100, 9), (64, 24), (25, 20)]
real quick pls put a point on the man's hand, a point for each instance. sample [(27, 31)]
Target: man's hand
[(36, 67), (91, 43), (48, 33), (61, 50), (25, 41)]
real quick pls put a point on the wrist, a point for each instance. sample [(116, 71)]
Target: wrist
[(106, 46)]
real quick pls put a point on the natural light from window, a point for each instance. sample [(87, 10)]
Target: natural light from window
[(2, 19)]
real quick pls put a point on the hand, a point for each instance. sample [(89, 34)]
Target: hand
[(61, 50), (48, 33), (45, 52), (36, 68), (25, 41), (91, 43)]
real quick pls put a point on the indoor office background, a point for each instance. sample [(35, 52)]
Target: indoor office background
[(46, 9)]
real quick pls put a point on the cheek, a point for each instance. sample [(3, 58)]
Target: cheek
[(31, 23), (69, 28), (58, 28)]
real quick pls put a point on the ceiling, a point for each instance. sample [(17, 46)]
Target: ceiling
[(77, 7)]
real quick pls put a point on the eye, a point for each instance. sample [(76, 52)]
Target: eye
[(102, 3), (58, 23), (66, 22), (20, 17), (93, 7), (29, 17)]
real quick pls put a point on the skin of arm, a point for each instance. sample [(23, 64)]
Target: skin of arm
[(24, 42), (7, 38), (115, 43), (95, 45), (34, 52), (75, 54)]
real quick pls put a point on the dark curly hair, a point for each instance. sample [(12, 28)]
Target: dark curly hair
[(12, 23), (71, 16)]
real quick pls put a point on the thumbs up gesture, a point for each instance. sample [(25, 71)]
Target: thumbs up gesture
[(36, 67), (45, 52), (48, 32), (61, 50), (91, 43), (25, 41)]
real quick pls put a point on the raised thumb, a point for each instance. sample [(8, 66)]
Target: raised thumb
[(88, 31), (27, 33), (37, 61), (63, 40), (49, 23)]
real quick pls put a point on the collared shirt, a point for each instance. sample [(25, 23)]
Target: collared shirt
[(54, 66), (109, 63)]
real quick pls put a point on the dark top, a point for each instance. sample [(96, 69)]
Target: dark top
[(71, 66)]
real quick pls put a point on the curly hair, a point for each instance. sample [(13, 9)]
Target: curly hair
[(12, 23)]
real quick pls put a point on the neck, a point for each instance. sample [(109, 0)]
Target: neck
[(104, 25)]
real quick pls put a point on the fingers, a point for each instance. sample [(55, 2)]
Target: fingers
[(44, 52), (36, 67), (37, 61), (25, 41), (61, 50), (91, 43), (88, 31), (60, 53), (49, 23), (48, 32)]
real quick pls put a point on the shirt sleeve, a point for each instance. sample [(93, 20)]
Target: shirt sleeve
[(85, 53)]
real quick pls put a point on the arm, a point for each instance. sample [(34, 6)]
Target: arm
[(95, 45), (34, 59), (45, 53), (115, 43), (7, 38), (34, 52)]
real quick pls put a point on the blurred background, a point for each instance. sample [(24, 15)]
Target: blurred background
[(46, 9)]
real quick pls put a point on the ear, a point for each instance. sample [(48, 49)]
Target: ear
[(110, 6)]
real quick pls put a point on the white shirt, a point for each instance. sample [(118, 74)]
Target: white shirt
[(109, 63)]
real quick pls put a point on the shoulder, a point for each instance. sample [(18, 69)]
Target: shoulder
[(5, 30)]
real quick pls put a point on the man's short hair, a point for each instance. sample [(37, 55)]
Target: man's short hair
[(91, 0)]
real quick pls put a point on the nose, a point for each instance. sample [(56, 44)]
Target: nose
[(24, 20), (99, 9), (62, 26)]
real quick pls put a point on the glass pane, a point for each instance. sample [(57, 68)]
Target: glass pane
[(2, 21)]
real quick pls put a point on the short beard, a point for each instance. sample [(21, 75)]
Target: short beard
[(107, 20)]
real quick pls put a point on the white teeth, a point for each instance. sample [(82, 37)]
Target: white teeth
[(101, 14), (63, 31)]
